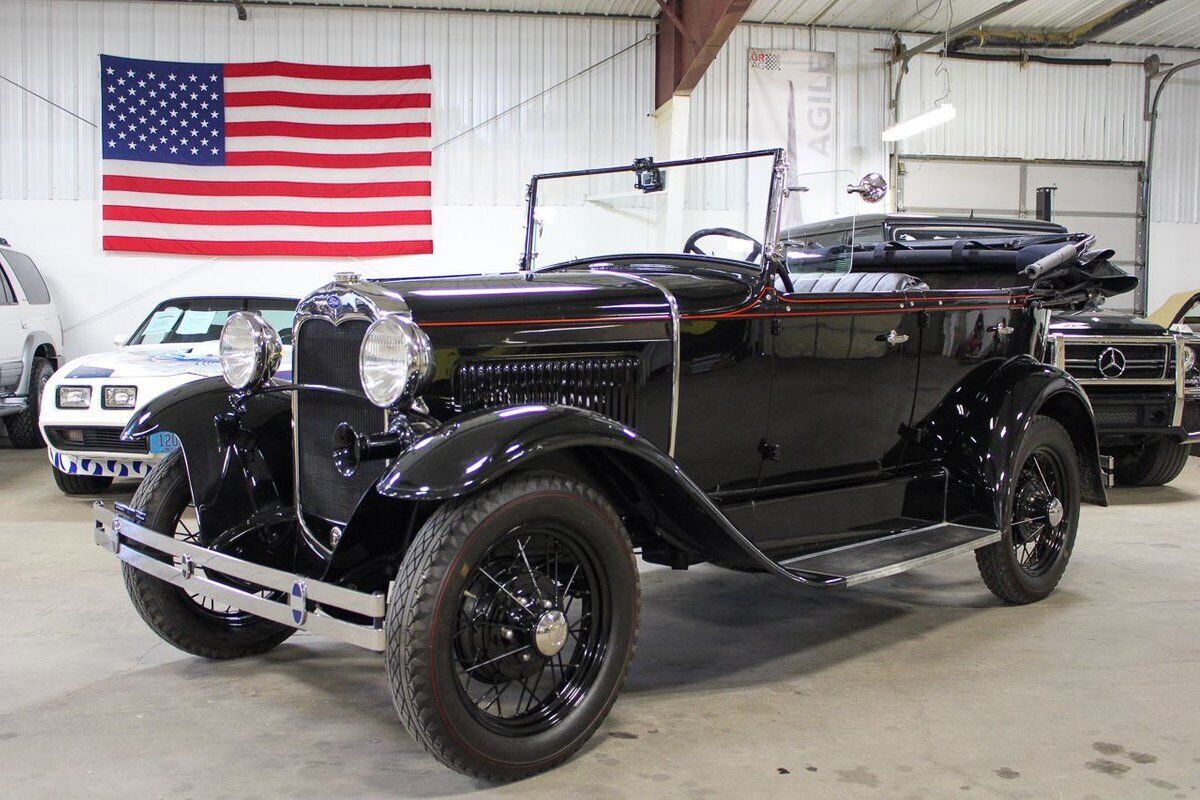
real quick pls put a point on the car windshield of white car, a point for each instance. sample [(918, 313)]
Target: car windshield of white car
[(191, 320)]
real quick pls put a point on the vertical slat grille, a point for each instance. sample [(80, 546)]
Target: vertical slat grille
[(327, 355), (606, 385)]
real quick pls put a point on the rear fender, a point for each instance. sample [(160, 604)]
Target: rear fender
[(980, 456), (238, 453)]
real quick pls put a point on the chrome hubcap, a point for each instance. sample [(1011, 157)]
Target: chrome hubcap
[(1055, 512), (551, 633)]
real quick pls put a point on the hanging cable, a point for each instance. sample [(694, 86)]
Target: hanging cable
[(545, 91), (6, 79)]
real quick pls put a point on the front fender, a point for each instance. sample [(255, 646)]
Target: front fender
[(980, 456), (466, 455), (474, 451), (238, 452)]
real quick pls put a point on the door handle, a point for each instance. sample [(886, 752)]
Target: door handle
[(1002, 329), (892, 338)]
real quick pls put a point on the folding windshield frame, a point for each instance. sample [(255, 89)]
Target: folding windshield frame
[(774, 203)]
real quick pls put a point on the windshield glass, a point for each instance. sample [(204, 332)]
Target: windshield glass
[(718, 208), (191, 320)]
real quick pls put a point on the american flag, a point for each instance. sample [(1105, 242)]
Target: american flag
[(265, 159)]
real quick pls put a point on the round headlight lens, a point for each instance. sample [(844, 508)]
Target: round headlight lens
[(1189, 359), (394, 358), (250, 350)]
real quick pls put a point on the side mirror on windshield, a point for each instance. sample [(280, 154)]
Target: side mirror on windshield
[(871, 188)]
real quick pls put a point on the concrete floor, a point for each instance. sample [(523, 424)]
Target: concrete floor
[(920, 686)]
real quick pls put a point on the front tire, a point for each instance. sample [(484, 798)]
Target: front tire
[(512, 626), (1155, 463), (193, 623), (81, 484), (23, 430), (1041, 517)]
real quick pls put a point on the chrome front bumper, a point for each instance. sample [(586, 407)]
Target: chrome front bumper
[(304, 598)]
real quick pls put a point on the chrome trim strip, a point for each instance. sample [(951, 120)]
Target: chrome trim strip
[(676, 335), (1070, 338), (195, 561)]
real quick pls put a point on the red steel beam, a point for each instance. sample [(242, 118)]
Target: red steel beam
[(690, 34)]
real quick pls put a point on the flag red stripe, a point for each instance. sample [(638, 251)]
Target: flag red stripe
[(283, 158), (123, 183), (343, 101), (311, 130), (201, 248), (321, 72), (325, 219)]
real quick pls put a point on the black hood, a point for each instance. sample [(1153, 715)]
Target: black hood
[(1110, 323)]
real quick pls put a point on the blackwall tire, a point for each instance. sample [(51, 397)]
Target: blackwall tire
[(81, 484), (1157, 463), (23, 430), (442, 616), (1029, 560), (179, 619)]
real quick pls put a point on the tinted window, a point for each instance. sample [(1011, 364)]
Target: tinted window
[(7, 298), (28, 276), (201, 319)]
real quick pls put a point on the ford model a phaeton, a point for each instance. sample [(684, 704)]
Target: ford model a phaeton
[(463, 469)]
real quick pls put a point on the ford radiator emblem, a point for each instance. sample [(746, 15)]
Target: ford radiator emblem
[(333, 301), (1111, 362), (298, 600)]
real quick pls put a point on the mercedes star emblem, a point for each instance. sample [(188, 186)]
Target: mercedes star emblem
[(1111, 362)]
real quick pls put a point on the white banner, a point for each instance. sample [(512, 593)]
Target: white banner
[(792, 104)]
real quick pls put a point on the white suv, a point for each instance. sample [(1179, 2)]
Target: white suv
[(30, 345)]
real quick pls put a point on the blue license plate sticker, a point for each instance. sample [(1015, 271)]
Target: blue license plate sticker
[(163, 442)]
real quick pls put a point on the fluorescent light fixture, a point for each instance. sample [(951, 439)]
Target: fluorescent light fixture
[(922, 122)]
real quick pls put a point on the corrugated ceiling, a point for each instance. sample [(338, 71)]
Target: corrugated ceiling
[(1174, 23)]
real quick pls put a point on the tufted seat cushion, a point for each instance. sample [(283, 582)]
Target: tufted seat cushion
[(839, 283)]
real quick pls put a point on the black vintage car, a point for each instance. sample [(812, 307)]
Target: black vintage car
[(464, 468), (1142, 378)]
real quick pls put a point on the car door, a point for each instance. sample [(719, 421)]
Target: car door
[(12, 336), (844, 372)]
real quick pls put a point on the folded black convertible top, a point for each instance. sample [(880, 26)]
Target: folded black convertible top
[(1060, 270)]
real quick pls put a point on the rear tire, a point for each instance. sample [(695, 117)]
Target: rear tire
[(471, 622), (1035, 546), (1157, 462), (23, 428), (178, 618), (81, 484)]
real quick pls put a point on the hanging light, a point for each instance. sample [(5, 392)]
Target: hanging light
[(922, 122)]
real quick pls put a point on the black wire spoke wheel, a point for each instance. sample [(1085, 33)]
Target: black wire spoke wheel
[(187, 529), (191, 621), (532, 629), (1042, 511), (1040, 517), (512, 624)]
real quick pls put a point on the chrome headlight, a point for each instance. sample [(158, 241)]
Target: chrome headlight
[(394, 361), (1189, 359), (250, 350), (74, 396), (119, 397)]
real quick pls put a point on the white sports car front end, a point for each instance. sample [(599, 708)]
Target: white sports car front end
[(89, 400)]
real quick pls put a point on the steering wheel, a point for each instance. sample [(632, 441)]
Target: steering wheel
[(690, 245)]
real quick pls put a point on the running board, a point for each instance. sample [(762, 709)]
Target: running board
[(850, 565)]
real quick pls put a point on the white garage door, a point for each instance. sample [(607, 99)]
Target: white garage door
[(1103, 198)]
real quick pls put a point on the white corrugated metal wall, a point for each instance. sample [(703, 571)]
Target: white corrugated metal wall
[(1080, 112), (482, 65)]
